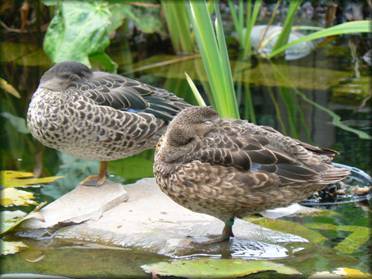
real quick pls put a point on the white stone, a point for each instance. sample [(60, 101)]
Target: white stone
[(81, 204)]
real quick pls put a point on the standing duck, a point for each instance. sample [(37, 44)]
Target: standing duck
[(97, 115), (232, 168)]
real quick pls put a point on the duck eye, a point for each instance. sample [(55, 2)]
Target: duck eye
[(64, 76)]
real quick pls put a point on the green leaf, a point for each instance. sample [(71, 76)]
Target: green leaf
[(215, 268), (289, 227), (359, 26), (252, 17), (212, 47), (146, 19), (178, 25), (17, 122), (195, 91), (287, 26), (11, 179), (78, 30), (103, 61)]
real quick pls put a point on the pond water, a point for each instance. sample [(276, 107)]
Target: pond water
[(300, 98)]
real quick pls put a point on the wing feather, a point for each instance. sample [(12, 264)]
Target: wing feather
[(235, 145), (130, 95)]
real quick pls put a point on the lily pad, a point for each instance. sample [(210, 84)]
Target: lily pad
[(11, 247), (12, 196), (23, 179), (289, 227), (215, 268)]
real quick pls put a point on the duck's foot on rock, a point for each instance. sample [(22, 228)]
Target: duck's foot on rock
[(223, 238), (93, 181), (212, 240)]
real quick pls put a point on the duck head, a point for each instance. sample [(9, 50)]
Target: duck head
[(62, 74), (190, 124)]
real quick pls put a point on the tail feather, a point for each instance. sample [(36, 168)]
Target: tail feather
[(333, 174)]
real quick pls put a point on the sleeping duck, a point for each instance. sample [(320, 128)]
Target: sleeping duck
[(233, 168), (97, 115)]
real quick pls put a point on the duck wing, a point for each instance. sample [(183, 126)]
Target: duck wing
[(324, 154), (246, 147), (126, 94)]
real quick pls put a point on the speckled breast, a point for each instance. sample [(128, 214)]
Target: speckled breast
[(76, 125), (44, 118)]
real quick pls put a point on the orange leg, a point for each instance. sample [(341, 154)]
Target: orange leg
[(97, 180)]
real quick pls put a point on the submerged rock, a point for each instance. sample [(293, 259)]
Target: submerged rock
[(264, 38), (150, 220)]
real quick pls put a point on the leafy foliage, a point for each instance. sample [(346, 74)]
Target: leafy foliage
[(215, 268), (11, 179), (178, 25), (80, 30)]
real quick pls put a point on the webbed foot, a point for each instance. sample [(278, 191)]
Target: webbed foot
[(93, 181)]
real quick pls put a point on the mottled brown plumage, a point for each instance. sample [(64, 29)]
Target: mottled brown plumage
[(232, 168), (96, 115)]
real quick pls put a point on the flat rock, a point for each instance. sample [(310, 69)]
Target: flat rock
[(150, 220), (81, 204)]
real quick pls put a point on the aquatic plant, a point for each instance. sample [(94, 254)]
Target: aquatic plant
[(80, 30), (244, 25), (360, 26), (287, 26), (178, 25), (213, 50)]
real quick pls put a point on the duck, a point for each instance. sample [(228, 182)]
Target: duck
[(233, 168), (95, 115)]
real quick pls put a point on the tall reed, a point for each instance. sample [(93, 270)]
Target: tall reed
[(359, 26), (213, 50), (287, 26), (178, 25), (244, 24)]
